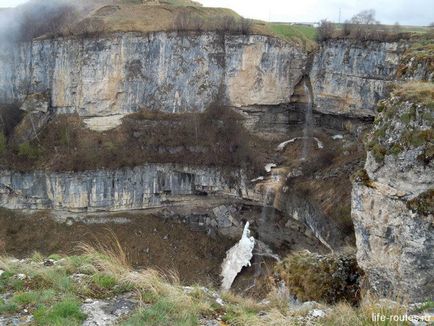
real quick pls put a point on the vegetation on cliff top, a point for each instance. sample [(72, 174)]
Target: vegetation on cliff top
[(40, 19), (364, 27)]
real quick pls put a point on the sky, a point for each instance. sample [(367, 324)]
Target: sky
[(406, 12)]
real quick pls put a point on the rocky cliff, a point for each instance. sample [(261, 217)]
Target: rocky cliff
[(171, 72), (152, 185), (349, 77), (392, 199)]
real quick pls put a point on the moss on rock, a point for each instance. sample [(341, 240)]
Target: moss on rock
[(329, 278), (404, 122)]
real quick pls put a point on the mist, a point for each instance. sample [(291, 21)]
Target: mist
[(34, 19)]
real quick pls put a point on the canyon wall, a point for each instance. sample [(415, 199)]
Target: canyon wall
[(392, 203), (349, 76), (171, 72), (152, 185)]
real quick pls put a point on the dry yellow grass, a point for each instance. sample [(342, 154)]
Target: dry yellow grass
[(109, 16), (416, 91)]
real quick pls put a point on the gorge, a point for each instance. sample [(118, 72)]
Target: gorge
[(161, 125)]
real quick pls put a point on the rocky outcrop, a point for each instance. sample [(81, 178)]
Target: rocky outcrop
[(171, 72), (392, 203), (349, 77), (152, 185)]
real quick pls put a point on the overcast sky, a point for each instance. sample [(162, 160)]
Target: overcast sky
[(406, 12)]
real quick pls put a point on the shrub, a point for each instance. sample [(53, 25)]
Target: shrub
[(365, 27), (323, 159), (29, 151), (246, 26), (325, 31), (187, 21), (329, 278)]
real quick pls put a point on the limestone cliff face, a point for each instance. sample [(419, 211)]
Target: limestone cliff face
[(349, 77), (172, 72), (392, 203), (148, 186)]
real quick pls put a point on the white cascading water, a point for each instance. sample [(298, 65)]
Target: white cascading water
[(237, 257), (308, 123)]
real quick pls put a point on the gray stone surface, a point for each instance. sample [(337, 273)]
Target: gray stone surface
[(395, 243), (124, 72), (349, 77), (151, 185)]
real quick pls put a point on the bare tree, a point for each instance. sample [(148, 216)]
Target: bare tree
[(365, 17), (326, 30), (396, 29), (364, 26)]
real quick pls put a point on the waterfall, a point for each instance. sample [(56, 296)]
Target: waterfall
[(308, 122), (237, 257)]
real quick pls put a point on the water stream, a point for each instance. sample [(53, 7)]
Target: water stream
[(308, 122)]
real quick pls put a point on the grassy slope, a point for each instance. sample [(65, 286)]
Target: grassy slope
[(301, 34), (54, 298)]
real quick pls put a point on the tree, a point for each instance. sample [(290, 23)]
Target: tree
[(365, 17), (396, 29), (364, 26), (326, 30)]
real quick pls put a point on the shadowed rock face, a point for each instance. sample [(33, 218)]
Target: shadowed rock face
[(169, 72)]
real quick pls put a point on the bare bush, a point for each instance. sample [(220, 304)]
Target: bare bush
[(186, 21), (91, 27), (326, 30), (246, 26), (226, 23), (365, 27), (365, 17)]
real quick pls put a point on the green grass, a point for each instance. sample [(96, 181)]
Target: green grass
[(301, 34), (163, 313), (104, 281), (8, 282), (163, 301), (66, 312), (7, 308), (55, 257), (425, 306), (34, 297)]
